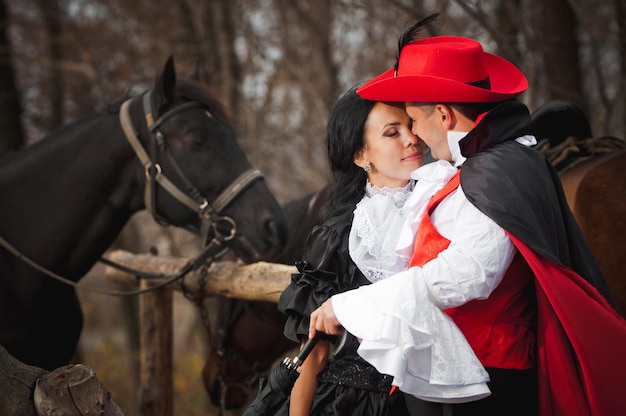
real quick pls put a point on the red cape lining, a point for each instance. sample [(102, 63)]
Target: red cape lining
[(581, 343)]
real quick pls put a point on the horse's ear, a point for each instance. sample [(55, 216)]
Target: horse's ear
[(165, 85), (195, 74)]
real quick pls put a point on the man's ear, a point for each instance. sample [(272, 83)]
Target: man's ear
[(446, 115)]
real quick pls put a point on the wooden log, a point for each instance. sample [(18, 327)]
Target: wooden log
[(156, 390), (73, 390), (17, 383), (258, 281)]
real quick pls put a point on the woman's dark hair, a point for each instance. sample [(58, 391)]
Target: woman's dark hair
[(345, 137)]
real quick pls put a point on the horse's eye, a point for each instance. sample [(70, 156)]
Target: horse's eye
[(195, 140)]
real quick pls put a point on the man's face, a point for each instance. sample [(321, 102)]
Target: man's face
[(429, 124)]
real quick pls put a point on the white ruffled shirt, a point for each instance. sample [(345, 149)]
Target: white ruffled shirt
[(403, 333)]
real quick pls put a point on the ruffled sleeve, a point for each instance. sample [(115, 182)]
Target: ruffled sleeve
[(404, 335), (325, 269)]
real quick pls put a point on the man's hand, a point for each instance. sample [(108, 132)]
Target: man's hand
[(323, 319)]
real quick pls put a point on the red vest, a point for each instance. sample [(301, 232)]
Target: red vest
[(501, 328)]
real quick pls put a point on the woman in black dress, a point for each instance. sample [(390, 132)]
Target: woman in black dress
[(372, 153)]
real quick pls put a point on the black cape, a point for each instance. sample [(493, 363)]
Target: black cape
[(580, 335), (520, 190)]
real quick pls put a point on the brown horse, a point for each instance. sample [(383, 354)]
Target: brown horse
[(596, 192), (595, 187)]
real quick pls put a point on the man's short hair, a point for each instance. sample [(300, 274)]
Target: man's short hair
[(469, 110)]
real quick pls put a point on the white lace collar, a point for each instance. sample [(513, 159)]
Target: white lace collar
[(397, 195), (385, 220)]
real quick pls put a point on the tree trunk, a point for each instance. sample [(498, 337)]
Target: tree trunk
[(620, 11), (17, 383), (12, 137), (73, 390), (557, 42), (51, 19), (507, 28), (223, 73)]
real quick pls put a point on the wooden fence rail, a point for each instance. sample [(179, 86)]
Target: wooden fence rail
[(258, 281)]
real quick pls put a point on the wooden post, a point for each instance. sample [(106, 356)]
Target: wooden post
[(156, 389)]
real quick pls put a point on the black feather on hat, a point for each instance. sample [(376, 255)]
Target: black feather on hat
[(412, 34)]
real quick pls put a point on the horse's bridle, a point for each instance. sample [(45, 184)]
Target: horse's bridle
[(209, 213)]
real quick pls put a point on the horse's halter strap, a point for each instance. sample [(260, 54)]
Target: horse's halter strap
[(208, 213), (193, 198)]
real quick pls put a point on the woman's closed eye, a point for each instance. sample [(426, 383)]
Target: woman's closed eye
[(392, 132)]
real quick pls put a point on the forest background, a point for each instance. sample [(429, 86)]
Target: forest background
[(280, 65)]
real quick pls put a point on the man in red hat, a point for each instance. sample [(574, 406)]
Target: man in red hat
[(498, 250)]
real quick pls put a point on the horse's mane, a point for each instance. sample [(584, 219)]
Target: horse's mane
[(190, 90), (195, 91), (185, 88)]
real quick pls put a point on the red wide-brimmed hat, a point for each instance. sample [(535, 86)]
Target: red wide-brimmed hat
[(446, 69)]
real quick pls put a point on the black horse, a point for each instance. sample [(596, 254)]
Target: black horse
[(65, 199)]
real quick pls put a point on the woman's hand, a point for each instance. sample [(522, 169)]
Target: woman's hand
[(323, 319)]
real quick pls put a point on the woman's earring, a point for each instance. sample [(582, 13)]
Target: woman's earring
[(367, 168)]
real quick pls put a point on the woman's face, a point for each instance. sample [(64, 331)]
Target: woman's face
[(392, 151)]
